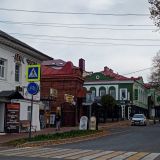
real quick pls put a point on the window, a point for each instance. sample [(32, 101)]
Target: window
[(136, 94), (102, 91), (29, 113), (112, 92), (2, 68), (17, 72), (93, 91), (123, 94)]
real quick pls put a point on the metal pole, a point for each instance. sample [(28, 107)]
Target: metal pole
[(90, 111), (30, 127)]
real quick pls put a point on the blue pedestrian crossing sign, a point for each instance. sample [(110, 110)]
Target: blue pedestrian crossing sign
[(33, 73)]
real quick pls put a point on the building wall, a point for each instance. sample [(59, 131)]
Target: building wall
[(2, 114), (88, 87), (9, 82), (142, 99)]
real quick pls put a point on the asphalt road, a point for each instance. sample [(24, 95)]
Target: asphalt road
[(135, 141), (134, 138)]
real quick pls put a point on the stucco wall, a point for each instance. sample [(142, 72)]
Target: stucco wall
[(9, 82)]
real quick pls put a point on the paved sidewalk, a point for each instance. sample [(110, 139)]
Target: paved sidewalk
[(13, 136)]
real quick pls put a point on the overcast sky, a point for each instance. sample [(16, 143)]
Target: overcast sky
[(100, 43)]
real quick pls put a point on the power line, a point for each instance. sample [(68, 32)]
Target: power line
[(73, 37), (73, 13), (138, 71), (75, 27), (80, 24), (92, 43)]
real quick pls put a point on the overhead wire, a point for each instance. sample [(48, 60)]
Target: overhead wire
[(73, 13), (89, 43), (138, 71), (78, 37), (76, 27)]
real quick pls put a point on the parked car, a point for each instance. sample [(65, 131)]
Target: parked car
[(139, 119)]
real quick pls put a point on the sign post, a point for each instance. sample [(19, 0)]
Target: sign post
[(32, 76), (33, 89)]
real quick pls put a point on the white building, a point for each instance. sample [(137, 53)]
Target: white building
[(14, 57)]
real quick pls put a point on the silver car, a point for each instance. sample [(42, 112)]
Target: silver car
[(139, 119)]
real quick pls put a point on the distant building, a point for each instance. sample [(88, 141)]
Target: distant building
[(131, 94)]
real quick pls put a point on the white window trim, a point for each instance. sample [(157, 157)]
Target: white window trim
[(20, 73), (5, 69)]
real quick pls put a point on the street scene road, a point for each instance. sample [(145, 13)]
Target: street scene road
[(131, 143)]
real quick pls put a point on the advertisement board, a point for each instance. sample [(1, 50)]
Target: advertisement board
[(12, 118)]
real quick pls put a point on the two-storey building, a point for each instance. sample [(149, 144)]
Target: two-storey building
[(14, 104), (130, 93)]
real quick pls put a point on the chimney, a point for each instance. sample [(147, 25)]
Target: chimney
[(82, 64), (106, 69)]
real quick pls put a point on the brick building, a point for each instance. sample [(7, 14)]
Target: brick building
[(67, 82)]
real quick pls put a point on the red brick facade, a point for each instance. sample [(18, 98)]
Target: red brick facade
[(67, 80)]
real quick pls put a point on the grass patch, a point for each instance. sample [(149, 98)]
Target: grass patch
[(55, 136)]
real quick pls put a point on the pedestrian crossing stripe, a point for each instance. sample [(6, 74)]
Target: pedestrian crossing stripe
[(80, 154), (33, 73)]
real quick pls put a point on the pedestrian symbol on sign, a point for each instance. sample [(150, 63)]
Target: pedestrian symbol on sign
[(33, 73)]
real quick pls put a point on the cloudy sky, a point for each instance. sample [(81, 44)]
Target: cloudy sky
[(107, 36)]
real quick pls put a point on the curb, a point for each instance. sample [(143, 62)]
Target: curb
[(63, 141)]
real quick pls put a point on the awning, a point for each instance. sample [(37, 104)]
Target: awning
[(10, 95)]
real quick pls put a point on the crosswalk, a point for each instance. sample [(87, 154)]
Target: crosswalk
[(78, 154)]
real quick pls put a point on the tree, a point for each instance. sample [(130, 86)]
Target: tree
[(155, 11), (155, 73), (109, 103)]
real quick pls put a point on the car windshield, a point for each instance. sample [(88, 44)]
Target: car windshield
[(138, 116)]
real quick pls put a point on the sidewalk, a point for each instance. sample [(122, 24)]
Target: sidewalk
[(13, 136)]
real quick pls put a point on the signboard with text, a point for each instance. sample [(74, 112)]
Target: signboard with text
[(12, 118)]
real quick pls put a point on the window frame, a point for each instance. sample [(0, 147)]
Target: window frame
[(3, 68), (126, 94), (18, 73)]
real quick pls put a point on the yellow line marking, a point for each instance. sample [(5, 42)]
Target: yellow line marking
[(61, 152), (109, 156), (95, 155), (138, 156), (38, 153), (19, 152), (82, 155), (72, 154)]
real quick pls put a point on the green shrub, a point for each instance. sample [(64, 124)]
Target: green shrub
[(54, 136)]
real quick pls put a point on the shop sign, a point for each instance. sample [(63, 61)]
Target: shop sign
[(69, 98), (12, 118), (83, 123), (53, 92), (18, 58)]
